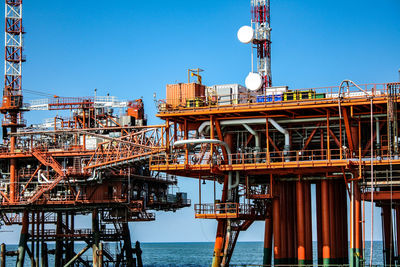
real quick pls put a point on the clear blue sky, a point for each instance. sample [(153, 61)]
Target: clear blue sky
[(134, 48)]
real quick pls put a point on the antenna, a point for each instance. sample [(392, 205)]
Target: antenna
[(259, 34)]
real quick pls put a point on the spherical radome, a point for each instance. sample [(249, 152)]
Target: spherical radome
[(245, 34), (253, 81)]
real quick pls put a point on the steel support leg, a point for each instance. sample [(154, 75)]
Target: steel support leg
[(277, 228), (23, 240), (326, 250), (268, 242)]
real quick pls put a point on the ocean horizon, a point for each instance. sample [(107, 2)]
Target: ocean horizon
[(166, 254)]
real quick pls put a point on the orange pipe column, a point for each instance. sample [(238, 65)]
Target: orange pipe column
[(301, 242), (357, 220), (277, 226), (326, 250), (308, 223), (283, 222), (387, 235), (344, 216), (268, 242), (338, 221), (319, 221), (13, 170), (290, 216), (332, 222)]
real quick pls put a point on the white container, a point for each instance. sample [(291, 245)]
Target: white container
[(276, 90), (231, 94)]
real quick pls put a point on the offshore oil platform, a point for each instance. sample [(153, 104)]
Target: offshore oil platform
[(94, 163), (267, 145)]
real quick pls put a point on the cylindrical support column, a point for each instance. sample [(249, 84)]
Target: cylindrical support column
[(319, 221), (100, 255), (277, 228), (357, 227), (3, 255), (44, 255), (59, 241), (301, 242), (326, 250), (387, 235), (216, 262), (290, 217), (283, 222), (308, 223), (23, 240), (267, 242), (344, 216), (332, 224)]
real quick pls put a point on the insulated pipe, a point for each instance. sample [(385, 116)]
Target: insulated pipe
[(205, 141), (256, 136), (283, 131), (251, 121), (218, 142), (206, 124)]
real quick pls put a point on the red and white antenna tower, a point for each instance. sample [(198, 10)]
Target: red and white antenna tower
[(12, 94), (259, 34), (12, 106), (261, 20)]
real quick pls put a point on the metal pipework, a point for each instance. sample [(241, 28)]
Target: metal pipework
[(256, 136), (205, 141), (244, 122), (218, 142)]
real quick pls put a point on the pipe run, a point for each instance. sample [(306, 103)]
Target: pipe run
[(256, 136), (218, 142), (245, 123)]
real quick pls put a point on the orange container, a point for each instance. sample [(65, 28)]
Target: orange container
[(178, 93)]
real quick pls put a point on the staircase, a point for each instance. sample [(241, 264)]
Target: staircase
[(47, 160)]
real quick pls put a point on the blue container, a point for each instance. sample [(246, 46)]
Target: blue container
[(278, 98), (260, 99)]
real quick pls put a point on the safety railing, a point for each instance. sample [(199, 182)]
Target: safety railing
[(224, 210), (312, 95), (289, 158)]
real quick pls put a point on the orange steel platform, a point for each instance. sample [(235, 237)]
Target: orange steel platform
[(269, 155)]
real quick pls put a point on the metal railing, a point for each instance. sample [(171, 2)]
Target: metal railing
[(225, 208), (246, 98)]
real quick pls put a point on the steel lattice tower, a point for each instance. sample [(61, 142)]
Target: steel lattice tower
[(260, 20), (12, 96)]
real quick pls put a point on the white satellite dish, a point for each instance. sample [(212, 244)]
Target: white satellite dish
[(253, 81), (245, 34)]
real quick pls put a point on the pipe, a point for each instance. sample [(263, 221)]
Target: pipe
[(283, 131), (256, 136), (202, 128), (253, 121), (236, 184), (205, 141)]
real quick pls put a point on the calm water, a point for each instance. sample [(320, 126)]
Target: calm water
[(199, 254)]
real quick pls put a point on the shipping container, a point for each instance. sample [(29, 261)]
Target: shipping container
[(276, 90), (269, 98), (289, 96), (178, 93), (194, 103), (319, 95), (308, 94), (230, 94)]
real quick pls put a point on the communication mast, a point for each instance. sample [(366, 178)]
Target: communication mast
[(259, 34), (12, 94), (260, 21)]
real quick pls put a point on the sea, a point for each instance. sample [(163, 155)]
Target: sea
[(200, 254)]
